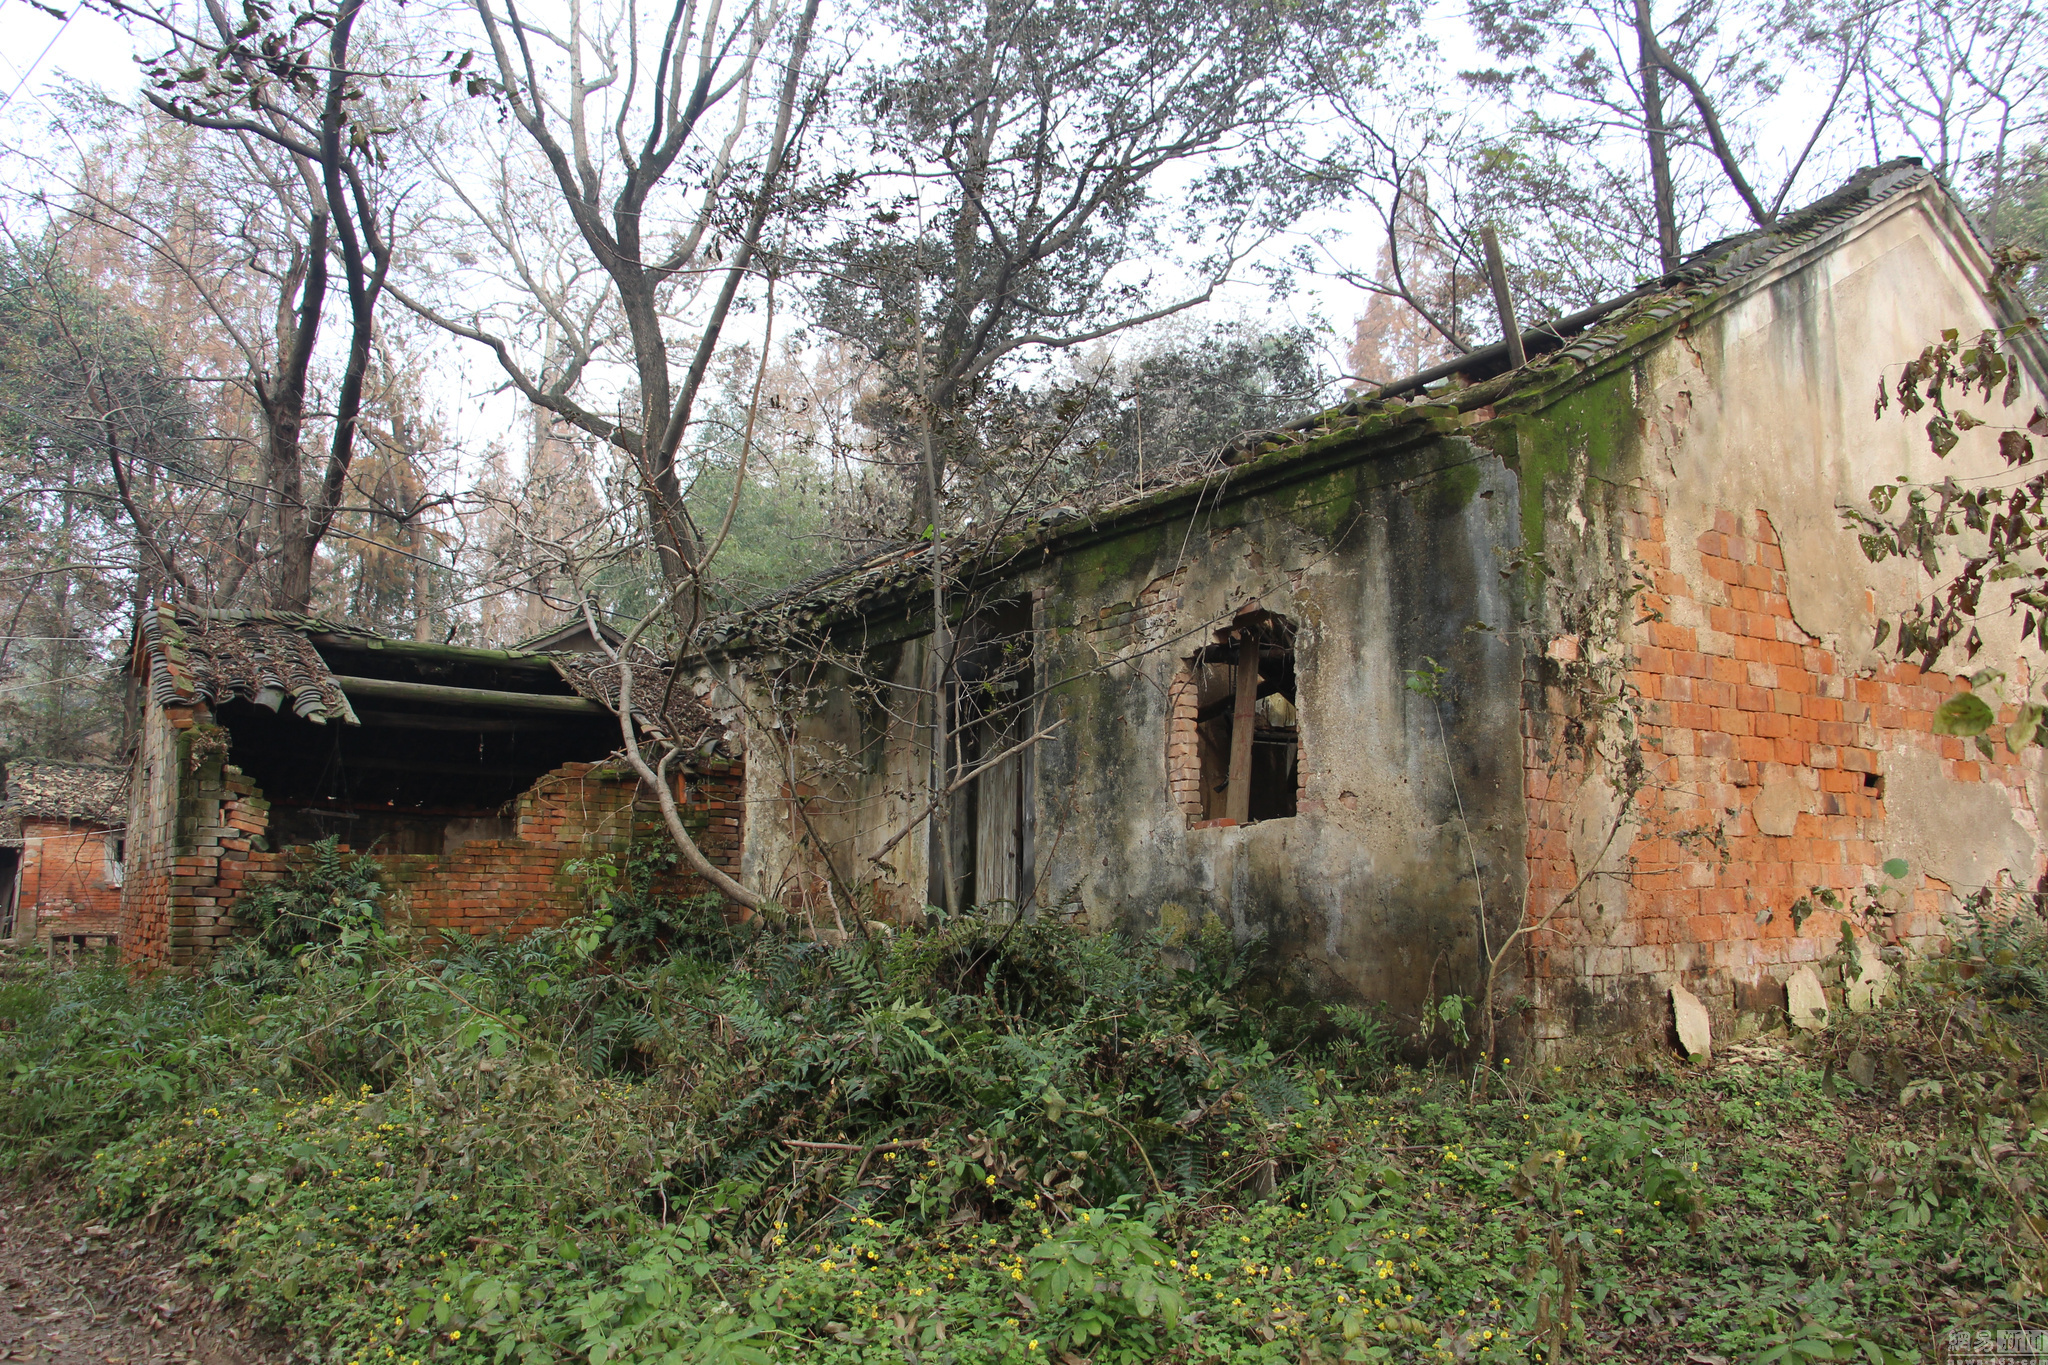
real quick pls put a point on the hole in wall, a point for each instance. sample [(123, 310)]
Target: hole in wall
[(1211, 775)]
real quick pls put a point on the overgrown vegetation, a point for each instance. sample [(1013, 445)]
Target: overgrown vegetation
[(994, 1141)]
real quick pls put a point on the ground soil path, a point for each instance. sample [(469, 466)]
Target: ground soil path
[(73, 1293)]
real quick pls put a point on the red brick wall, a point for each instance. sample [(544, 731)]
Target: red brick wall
[(1184, 744), (64, 888), (180, 906), (1709, 876)]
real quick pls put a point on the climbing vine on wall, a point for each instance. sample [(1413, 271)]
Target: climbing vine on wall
[(1994, 531), (1998, 530)]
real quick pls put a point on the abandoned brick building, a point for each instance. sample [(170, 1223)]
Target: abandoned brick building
[(1376, 690), (473, 776), (1387, 684), (61, 853)]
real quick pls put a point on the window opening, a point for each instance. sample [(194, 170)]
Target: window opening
[(1247, 730)]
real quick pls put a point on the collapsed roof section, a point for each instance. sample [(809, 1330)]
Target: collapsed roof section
[(197, 656), (335, 723)]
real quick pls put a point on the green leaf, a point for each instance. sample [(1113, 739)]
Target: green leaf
[(1896, 868), (1964, 714)]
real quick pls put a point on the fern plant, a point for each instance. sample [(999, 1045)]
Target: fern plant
[(322, 895), (2003, 942)]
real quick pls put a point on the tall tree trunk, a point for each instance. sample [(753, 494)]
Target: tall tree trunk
[(1654, 130), (294, 588), (60, 630)]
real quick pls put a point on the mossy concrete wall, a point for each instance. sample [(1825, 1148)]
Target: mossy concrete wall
[(1409, 817)]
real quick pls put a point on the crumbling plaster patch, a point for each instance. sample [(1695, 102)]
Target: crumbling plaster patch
[(1780, 800), (1600, 836), (1769, 405), (1964, 833)]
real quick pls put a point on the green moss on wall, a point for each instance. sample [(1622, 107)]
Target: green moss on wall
[(1450, 492), (1116, 559), (1592, 430)]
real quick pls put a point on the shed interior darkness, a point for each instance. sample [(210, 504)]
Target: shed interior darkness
[(416, 776)]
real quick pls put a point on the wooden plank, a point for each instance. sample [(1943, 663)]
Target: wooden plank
[(1227, 706), (1503, 301), (476, 698), (1238, 806)]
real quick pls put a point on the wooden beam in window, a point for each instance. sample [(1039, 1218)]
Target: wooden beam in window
[(1238, 806)]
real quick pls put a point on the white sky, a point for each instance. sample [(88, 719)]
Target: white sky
[(39, 49)]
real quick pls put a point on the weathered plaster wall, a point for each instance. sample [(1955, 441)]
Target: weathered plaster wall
[(851, 770), (1778, 750), (1369, 891), (201, 829)]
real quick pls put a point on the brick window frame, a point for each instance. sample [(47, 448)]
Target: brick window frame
[(1185, 740)]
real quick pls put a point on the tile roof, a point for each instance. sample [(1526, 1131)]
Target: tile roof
[(209, 657), (681, 717), (48, 789)]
